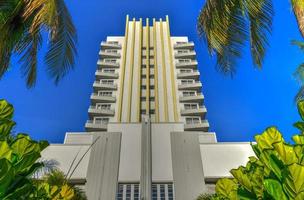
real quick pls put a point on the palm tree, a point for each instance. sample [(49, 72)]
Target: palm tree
[(299, 73), (22, 24), (227, 25)]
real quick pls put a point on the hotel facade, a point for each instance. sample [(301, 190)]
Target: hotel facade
[(147, 135)]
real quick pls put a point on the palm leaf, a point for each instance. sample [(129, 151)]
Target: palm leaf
[(298, 9), (260, 13), (62, 50), (300, 95), (227, 25), (29, 58)]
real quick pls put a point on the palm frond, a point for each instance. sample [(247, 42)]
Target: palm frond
[(298, 9), (31, 45), (260, 14), (60, 57), (227, 25), (299, 44)]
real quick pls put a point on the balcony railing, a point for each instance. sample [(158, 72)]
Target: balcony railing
[(107, 63), (109, 54), (194, 98), (194, 86), (111, 45), (94, 126), (191, 64), (95, 98), (200, 111), (203, 125), (191, 74), (106, 86), (103, 74), (184, 45), (185, 54), (93, 111)]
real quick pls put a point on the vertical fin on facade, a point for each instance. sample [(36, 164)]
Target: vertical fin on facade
[(131, 71), (164, 73), (173, 78), (123, 66), (139, 71), (155, 73), (147, 67)]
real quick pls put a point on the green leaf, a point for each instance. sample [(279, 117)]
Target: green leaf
[(268, 138), (274, 189), (286, 153), (22, 145), (300, 105), (299, 125), (298, 139), (240, 175), (5, 151), (6, 126), (227, 188), (6, 175), (6, 110), (25, 163)]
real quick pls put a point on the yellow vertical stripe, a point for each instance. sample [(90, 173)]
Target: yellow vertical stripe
[(166, 111), (124, 58), (139, 71), (155, 73), (147, 67), (131, 72), (172, 71)]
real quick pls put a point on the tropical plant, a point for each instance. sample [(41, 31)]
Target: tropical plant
[(299, 73), (21, 166), (227, 25), (18, 156), (277, 171), (208, 197), (22, 24)]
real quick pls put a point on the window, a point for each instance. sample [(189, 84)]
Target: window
[(110, 60), (162, 191), (104, 93), (107, 81), (102, 106), (126, 190), (101, 120), (181, 42), (111, 51), (186, 70), (190, 106), (189, 93), (182, 51), (112, 42), (193, 120), (106, 70), (184, 60), (187, 81)]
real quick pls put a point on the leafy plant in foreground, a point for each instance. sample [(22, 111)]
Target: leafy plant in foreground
[(277, 171)]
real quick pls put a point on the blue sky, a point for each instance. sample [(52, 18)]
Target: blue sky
[(238, 108)]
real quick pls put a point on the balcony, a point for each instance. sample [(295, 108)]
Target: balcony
[(103, 63), (184, 45), (194, 74), (201, 111), (94, 111), (110, 45), (191, 64), (92, 126), (202, 126), (105, 86), (109, 54), (197, 85), (95, 98), (186, 54), (106, 75), (195, 98)]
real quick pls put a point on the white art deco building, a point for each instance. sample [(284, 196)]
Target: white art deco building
[(147, 137)]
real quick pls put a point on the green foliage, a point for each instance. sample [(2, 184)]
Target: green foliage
[(22, 24), (277, 171), (18, 162), (18, 156)]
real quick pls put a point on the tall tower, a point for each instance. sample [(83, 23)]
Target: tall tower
[(147, 72), (146, 137)]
